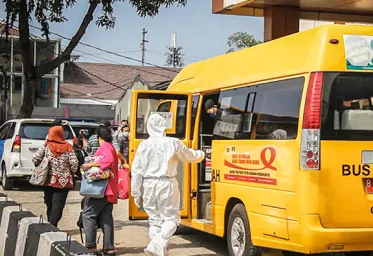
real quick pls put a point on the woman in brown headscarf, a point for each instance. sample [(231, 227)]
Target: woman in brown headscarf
[(63, 163)]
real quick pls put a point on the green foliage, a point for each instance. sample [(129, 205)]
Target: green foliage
[(52, 11), (241, 40)]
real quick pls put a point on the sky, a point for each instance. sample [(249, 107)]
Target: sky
[(201, 33)]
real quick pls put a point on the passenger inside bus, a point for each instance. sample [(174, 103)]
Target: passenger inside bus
[(209, 117)]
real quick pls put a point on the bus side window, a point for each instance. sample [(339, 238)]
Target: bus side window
[(164, 107), (236, 114), (265, 111), (278, 106)]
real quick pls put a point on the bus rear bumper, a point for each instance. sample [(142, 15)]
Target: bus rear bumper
[(318, 239)]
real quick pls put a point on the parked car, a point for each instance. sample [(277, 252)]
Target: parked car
[(19, 140)]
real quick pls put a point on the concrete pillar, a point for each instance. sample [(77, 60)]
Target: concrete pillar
[(280, 21)]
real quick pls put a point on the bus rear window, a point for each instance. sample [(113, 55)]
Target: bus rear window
[(347, 109)]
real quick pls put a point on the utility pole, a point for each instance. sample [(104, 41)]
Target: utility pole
[(143, 49)]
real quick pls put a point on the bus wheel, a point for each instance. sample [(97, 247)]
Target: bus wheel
[(239, 235)]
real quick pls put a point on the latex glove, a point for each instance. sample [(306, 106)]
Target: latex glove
[(138, 201)]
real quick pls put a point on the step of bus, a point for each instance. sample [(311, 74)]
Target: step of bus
[(204, 221)]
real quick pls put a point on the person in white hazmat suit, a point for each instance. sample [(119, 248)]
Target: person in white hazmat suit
[(154, 184)]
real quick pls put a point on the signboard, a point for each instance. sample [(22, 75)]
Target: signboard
[(168, 116), (359, 52), (208, 164), (257, 165)]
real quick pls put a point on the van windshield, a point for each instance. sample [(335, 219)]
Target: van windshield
[(347, 109), (36, 131)]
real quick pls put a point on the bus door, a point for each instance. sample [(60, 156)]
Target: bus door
[(177, 110)]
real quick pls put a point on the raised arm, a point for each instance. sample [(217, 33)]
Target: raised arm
[(188, 155)]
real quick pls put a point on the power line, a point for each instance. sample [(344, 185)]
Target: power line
[(107, 51), (126, 66), (96, 99), (187, 57), (120, 51), (103, 80), (113, 89)]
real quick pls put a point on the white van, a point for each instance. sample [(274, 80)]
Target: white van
[(19, 140)]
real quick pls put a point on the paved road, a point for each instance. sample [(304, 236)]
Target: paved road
[(130, 236)]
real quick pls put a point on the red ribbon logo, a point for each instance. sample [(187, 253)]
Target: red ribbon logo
[(267, 163)]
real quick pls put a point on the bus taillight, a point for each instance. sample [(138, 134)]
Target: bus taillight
[(310, 144)]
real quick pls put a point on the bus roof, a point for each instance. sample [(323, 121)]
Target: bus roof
[(291, 55)]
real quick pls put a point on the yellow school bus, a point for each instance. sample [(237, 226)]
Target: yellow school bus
[(290, 151)]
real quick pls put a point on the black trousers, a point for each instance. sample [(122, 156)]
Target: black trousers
[(55, 199), (98, 209)]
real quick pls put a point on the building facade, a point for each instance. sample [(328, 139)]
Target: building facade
[(47, 91)]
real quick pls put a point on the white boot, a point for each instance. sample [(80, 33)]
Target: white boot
[(157, 246)]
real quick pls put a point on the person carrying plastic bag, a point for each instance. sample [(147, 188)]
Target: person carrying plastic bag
[(154, 183)]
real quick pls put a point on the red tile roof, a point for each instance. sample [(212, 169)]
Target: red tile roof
[(81, 78), (12, 31)]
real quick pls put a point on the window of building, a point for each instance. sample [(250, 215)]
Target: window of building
[(16, 90), (41, 51), (46, 51)]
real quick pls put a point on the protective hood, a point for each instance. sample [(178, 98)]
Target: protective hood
[(156, 126)]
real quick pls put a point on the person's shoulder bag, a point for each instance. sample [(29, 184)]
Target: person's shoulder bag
[(40, 173)]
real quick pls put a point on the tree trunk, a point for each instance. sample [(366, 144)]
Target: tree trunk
[(33, 73), (28, 65), (28, 102)]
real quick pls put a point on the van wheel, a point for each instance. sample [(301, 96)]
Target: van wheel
[(239, 235), (6, 182)]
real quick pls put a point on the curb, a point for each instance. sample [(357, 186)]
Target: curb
[(24, 234)]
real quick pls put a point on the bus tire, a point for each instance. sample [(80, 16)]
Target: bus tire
[(239, 235)]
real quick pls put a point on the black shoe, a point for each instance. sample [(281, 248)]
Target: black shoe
[(95, 253)]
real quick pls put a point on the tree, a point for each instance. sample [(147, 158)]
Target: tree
[(174, 57), (52, 11), (241, 40)]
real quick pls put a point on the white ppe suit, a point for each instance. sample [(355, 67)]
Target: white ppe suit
[(153, 179)]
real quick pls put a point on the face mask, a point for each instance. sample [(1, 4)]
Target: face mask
[(125, 134), (213, 115)]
